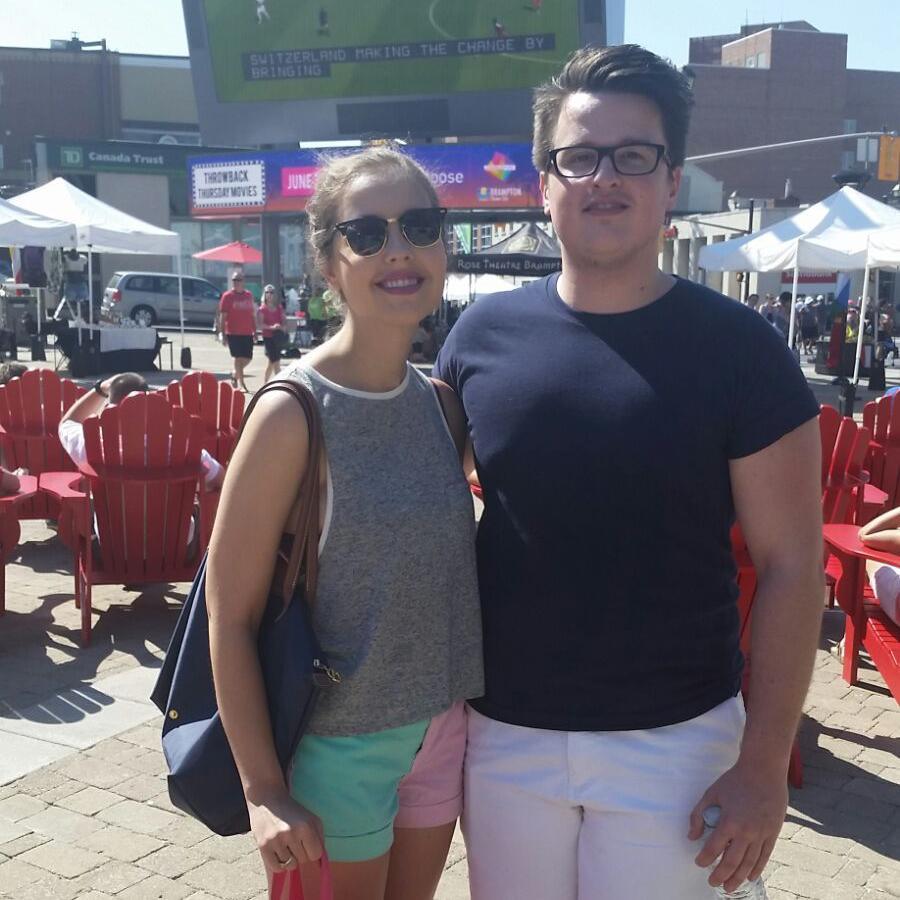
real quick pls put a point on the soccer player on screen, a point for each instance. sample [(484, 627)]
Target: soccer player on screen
[(262, 12)]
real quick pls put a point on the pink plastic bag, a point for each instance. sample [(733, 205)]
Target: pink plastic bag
[(291, 880)]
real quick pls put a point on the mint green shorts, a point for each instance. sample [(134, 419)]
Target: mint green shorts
[(362, 786)]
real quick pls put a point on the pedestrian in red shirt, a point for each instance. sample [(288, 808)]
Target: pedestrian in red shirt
[(270, 321), (236, 323)]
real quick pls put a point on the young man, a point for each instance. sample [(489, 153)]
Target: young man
[(236, 324), (620, 419)]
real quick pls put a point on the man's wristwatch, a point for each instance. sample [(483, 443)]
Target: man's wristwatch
[(98, 387)]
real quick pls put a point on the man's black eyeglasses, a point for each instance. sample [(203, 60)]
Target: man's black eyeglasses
[(367, 235), (582, 160)]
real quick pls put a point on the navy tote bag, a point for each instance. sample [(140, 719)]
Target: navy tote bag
[(203, 778)]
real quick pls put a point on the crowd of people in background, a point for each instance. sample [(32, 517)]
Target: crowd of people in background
[(317, 314), (813, 316)]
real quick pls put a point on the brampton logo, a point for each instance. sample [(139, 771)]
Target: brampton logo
[(500, 166)]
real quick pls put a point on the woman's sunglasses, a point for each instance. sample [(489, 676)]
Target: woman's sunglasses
[(367, 235)]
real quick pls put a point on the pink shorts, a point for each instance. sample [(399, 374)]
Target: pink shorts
[(431, 793)]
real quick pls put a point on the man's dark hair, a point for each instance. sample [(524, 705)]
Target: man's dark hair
[(623, 69), (122, 385)]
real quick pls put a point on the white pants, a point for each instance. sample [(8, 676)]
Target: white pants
[(568, 815)]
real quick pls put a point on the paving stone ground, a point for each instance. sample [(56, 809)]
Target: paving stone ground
[(91, 819)]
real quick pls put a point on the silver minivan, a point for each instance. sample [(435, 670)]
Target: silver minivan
[(152, 297)]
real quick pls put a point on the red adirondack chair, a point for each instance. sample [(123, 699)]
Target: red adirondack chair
[(219, 406), (843, 494), (141, 480), (30, 410), (882, 417), (829, 424), (11, 508)]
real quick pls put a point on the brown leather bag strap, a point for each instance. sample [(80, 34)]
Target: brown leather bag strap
[(302, 533)]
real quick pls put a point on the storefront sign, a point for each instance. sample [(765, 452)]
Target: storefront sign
[(502, 264), (230, 184), (809, 277), (466, 176), (117, 156)]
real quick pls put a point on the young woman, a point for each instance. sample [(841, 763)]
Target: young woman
[(270, 321), (376, 780)]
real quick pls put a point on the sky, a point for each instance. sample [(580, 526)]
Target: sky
[(157, 26)]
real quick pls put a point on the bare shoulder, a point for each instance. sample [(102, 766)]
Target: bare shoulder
[(277, 433)]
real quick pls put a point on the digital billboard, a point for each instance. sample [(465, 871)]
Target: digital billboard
[(289, 70), (313, 49), (466, 176)]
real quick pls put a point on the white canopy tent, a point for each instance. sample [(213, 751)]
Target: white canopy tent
[(101, 228), (832, 234), (20, 228), (884, 248), (460, 288)]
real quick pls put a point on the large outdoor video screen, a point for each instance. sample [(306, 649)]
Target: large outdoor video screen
[(281, 71), (316, 49)]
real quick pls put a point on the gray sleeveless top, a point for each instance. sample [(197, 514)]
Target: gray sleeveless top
[(397, 608)]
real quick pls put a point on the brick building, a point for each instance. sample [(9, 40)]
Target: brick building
[(97, 95), (772, 83)]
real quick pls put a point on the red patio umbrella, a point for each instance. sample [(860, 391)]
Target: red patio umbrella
[(235, 252)]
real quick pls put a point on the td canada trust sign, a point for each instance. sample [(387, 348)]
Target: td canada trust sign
[(115, 156)]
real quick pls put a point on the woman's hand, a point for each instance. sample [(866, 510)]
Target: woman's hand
[(286, 833)]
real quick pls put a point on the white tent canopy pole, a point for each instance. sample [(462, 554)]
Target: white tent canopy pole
[(180, 305), (862, 319), (877, 315), (791, 327)]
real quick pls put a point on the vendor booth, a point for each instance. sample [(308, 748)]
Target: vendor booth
[(833, 235), (21, 228), (100, 228), (528, 252)]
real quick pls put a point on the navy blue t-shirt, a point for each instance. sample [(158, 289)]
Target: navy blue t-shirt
[(603, 444)]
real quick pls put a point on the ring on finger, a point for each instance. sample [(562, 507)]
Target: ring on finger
[(284, 863)]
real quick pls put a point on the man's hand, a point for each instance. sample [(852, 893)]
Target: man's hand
[(753, 800)]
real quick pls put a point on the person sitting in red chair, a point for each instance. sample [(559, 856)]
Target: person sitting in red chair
[(883, 533), (108, 393)]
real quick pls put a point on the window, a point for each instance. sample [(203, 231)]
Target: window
[(849, 126), (848, 158), (190, 243), (208, 291), (762, 60), (141, 283), (750, 62), (292, 241), (166, 285)]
